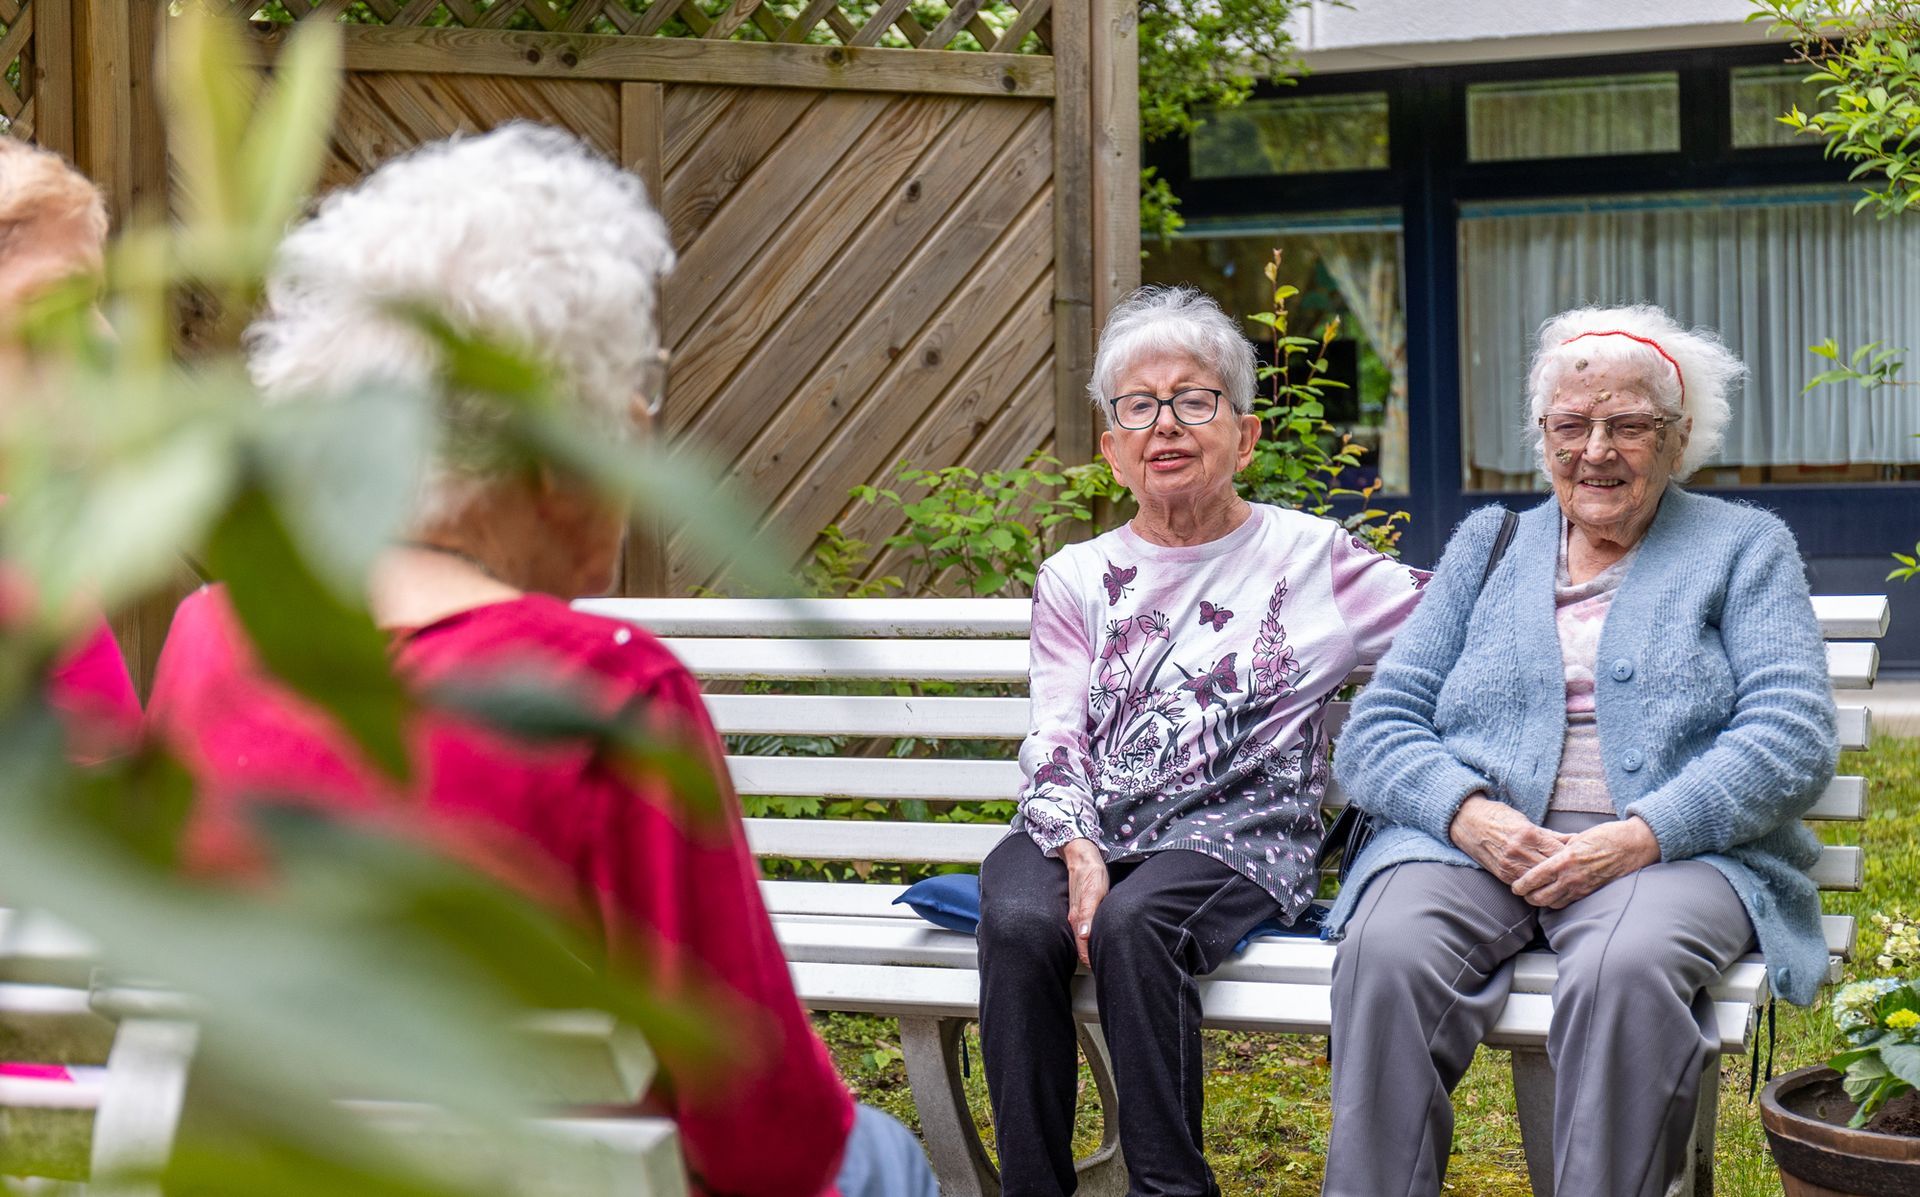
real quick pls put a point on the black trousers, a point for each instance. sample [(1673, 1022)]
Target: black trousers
[(1166, 920)]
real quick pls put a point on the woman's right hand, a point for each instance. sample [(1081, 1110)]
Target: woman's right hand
[(1505, 842), (1086, 888)]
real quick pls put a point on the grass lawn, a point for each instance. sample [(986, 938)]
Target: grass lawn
[(1267, 1115)]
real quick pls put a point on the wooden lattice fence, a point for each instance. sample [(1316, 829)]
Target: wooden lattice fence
[(36, 61), (895, 220)]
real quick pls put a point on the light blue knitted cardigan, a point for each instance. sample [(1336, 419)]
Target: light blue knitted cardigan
[(1715, 711)]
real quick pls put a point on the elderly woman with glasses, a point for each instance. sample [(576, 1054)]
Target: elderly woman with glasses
[(1176, 759), (1605, 742)]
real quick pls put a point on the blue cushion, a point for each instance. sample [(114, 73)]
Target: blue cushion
[(952, 900)]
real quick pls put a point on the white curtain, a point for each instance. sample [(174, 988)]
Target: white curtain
[(1772, 273), (1366, 268)]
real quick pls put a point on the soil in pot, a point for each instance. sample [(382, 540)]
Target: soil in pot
[(1901, 1116)]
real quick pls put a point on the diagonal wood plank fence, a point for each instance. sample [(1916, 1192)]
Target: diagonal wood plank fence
[(895, 220)]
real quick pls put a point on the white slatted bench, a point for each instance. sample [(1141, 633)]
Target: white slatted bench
[(851, 949), (586, 1060)]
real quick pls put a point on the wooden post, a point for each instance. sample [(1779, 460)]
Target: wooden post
[(643, 571), (1116, 151), (53, 92), (146, 156), (103, 125), (1073, 237)]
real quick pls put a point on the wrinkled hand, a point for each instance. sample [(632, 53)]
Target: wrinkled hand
[(1086, 889), (1598, 855), (1505, 842)]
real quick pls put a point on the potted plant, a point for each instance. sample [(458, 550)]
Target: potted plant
[(1852, 1128)]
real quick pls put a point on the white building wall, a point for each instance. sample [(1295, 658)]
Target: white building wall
[(1376, 34)]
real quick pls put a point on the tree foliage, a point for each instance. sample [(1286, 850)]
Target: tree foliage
[(1197, 55), (1865, 56)]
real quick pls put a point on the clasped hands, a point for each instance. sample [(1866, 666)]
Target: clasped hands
[(1549, 868)]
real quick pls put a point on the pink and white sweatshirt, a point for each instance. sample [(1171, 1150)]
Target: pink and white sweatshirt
[(1178, 693)]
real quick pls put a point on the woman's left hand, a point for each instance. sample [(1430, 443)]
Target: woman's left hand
[(1598, 855)]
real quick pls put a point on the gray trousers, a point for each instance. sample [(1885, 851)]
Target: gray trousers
[(1425, 970)]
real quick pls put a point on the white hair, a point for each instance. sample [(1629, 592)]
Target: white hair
[(1690, 374), (523, 235), (1172, 322)]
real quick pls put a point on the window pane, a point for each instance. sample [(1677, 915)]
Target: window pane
[(1773, 272), (1581, 118), (1346, 266), (1296, 135), (1761, 95)]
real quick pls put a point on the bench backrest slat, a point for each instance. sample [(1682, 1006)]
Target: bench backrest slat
[(1842, 617), (942, 718)]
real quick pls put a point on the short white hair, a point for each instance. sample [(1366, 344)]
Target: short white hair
[(523, 235), (1688, 373), (1172, 322)]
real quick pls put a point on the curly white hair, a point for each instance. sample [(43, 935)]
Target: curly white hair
[(1691, 374), (524, 235), (1172, 322)]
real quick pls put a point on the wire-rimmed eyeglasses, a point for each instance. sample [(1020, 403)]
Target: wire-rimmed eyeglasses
[(1191, 405), (1565, 429)]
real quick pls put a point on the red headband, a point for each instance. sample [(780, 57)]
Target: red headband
[(1648, 341)]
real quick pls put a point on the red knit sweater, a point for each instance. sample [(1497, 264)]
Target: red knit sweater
[(686, 898)]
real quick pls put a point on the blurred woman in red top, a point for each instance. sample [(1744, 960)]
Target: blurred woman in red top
[(525, 235), (53, 227)]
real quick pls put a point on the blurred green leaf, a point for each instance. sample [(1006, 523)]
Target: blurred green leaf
[(110, 530), (306, 635), (142, 801), (210, 96), (287, 143), (346, 472)]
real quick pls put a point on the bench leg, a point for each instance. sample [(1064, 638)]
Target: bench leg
[(1104, 1173), (1533, 1101), (1533, 1097), (932, 1049), (1696, 1178), (140, 1109)]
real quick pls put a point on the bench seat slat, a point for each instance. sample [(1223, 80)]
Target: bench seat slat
[(1283, 960), (1229, 1005), (839, 900), (1841, 616), (893, 778)]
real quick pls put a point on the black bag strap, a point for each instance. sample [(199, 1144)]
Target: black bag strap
[(1508, 523)]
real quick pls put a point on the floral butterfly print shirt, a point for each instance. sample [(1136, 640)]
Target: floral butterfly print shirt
[(1178, 693)]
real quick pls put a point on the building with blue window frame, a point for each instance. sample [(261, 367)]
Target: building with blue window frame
[(1454, 171)]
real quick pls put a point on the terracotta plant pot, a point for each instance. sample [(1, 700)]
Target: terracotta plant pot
[(1805, 1114)]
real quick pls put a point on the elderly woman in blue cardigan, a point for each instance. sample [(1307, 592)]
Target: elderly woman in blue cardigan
[(1606, 742)]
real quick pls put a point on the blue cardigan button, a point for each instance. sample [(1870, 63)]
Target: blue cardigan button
[(1622, 670), (1631, 760)]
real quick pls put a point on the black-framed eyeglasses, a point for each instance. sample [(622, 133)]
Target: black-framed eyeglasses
[(1191, 405), (1566, 429)]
